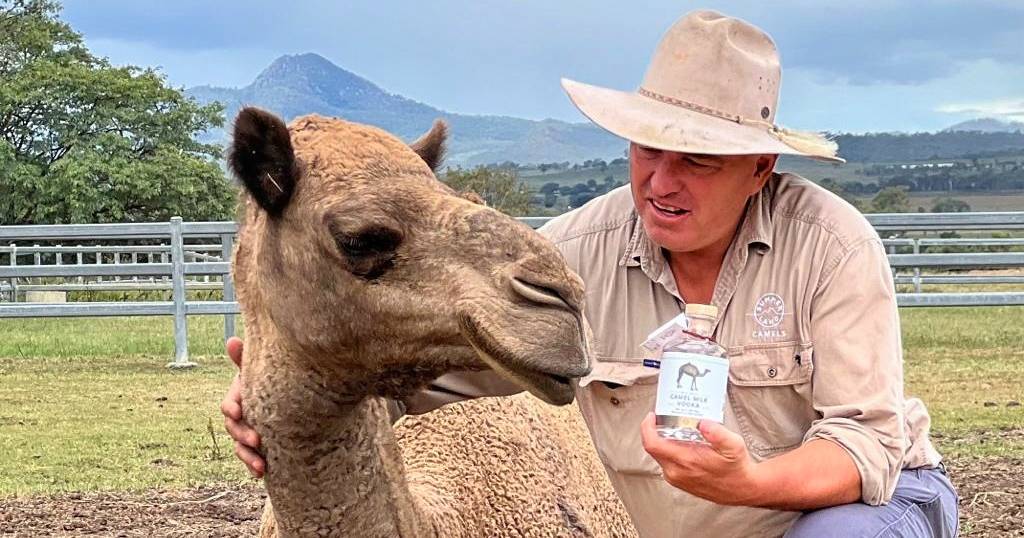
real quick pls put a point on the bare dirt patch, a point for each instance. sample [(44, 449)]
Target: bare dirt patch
[(991, 495), (991, 505), (209, 511)]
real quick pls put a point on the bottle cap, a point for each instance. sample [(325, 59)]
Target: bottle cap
[(702, 310)]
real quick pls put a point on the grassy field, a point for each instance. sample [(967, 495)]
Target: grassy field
[(89, 405)]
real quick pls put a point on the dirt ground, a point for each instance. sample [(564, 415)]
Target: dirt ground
[(207, 512), (991, 505)]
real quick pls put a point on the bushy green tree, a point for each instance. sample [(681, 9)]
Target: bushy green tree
[(950, 205), (840, 190), (891, 200), (84, 141), (501, 188)]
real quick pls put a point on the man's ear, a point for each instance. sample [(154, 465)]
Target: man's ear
[(432, 146), (262, 158), (764, 168)]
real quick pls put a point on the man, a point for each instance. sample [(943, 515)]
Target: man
[(818, 439)]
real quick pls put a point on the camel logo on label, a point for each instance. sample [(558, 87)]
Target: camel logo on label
[(690, 369), (769, 312)]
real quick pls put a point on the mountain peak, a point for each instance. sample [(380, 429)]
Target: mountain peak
[(987, 125), (306, 61), (312, 74), (300, 84)]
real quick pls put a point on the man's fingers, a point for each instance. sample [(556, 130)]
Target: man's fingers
[(252, 460), (723, 440), (242, 433), (234, 348), (649, 434), (231, 405), (230, 409)]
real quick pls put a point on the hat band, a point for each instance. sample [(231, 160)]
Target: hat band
[(812, 144), (735, 118)]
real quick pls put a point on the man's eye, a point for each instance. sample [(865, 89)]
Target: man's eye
[(648, 153), (700, 165)]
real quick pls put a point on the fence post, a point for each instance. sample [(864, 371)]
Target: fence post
[(14, 280), (917, 270), (81, 260), (178, 286), (227, 242), (892, 250)]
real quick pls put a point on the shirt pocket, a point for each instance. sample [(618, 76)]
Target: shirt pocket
[(770, 395), (613, 416)]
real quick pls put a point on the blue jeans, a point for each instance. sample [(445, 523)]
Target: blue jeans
[(924, 505)]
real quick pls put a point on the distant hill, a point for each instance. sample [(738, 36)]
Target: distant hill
[(987, 125), (901, 147), (295, 85), (306, 83)]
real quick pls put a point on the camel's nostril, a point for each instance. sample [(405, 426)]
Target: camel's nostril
[(539, 294)]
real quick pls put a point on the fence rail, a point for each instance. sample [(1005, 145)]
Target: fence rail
[(183, 267)]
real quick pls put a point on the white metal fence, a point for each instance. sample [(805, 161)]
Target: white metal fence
[(184, 256)]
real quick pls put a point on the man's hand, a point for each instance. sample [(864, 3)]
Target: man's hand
[(246, 438), (721, 472)]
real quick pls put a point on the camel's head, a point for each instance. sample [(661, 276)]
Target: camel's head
[(382, 276)]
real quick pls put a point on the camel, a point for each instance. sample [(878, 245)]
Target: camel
[(361, 278), (691, 370)]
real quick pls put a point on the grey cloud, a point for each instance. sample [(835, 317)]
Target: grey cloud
[(506, 57), (897, 42)]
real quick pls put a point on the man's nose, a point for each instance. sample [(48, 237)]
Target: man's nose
[(666, 179)]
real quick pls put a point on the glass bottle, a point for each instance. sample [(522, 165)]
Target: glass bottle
[(692, 379)]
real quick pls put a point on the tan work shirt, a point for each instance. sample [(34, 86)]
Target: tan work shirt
[(808, 316)]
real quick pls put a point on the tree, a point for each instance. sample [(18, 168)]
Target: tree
[(839, 190), (501, 188), (84, 141), (891, 200), (549, 187), (950, 205)]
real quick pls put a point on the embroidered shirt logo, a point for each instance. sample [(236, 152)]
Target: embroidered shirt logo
[(769, 311)]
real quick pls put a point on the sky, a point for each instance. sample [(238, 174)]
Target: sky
[(874, 65)]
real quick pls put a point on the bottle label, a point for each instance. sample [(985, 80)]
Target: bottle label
[(692, 385)]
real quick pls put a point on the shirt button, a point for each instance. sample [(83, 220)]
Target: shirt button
[(615, 401), (772, 372)]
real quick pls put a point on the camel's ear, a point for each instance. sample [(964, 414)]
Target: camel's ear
[(262, 158), (431, 147)]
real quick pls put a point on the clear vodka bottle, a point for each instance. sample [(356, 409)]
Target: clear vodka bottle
[(693, 378)]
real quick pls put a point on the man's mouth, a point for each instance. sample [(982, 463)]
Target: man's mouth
[(668, 209)]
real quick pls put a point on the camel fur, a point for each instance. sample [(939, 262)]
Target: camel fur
[(361, 278)]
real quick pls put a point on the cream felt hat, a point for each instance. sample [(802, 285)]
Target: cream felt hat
[(712, 87)]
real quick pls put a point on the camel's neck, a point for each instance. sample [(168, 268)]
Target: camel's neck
[(334, 468)]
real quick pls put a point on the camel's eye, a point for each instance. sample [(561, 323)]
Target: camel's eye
[(369, 251)]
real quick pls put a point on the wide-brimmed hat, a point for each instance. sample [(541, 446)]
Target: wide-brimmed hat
[(712, 87)]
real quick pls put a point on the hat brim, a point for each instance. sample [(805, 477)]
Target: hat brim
[(660, 125)]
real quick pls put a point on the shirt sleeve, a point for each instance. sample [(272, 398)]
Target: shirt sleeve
[(857, 385)]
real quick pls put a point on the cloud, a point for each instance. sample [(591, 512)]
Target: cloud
[(883, 64), (861, 43), (1000, 108), (882, 42)]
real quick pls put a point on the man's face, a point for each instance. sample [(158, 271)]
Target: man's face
[(689, 202)]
